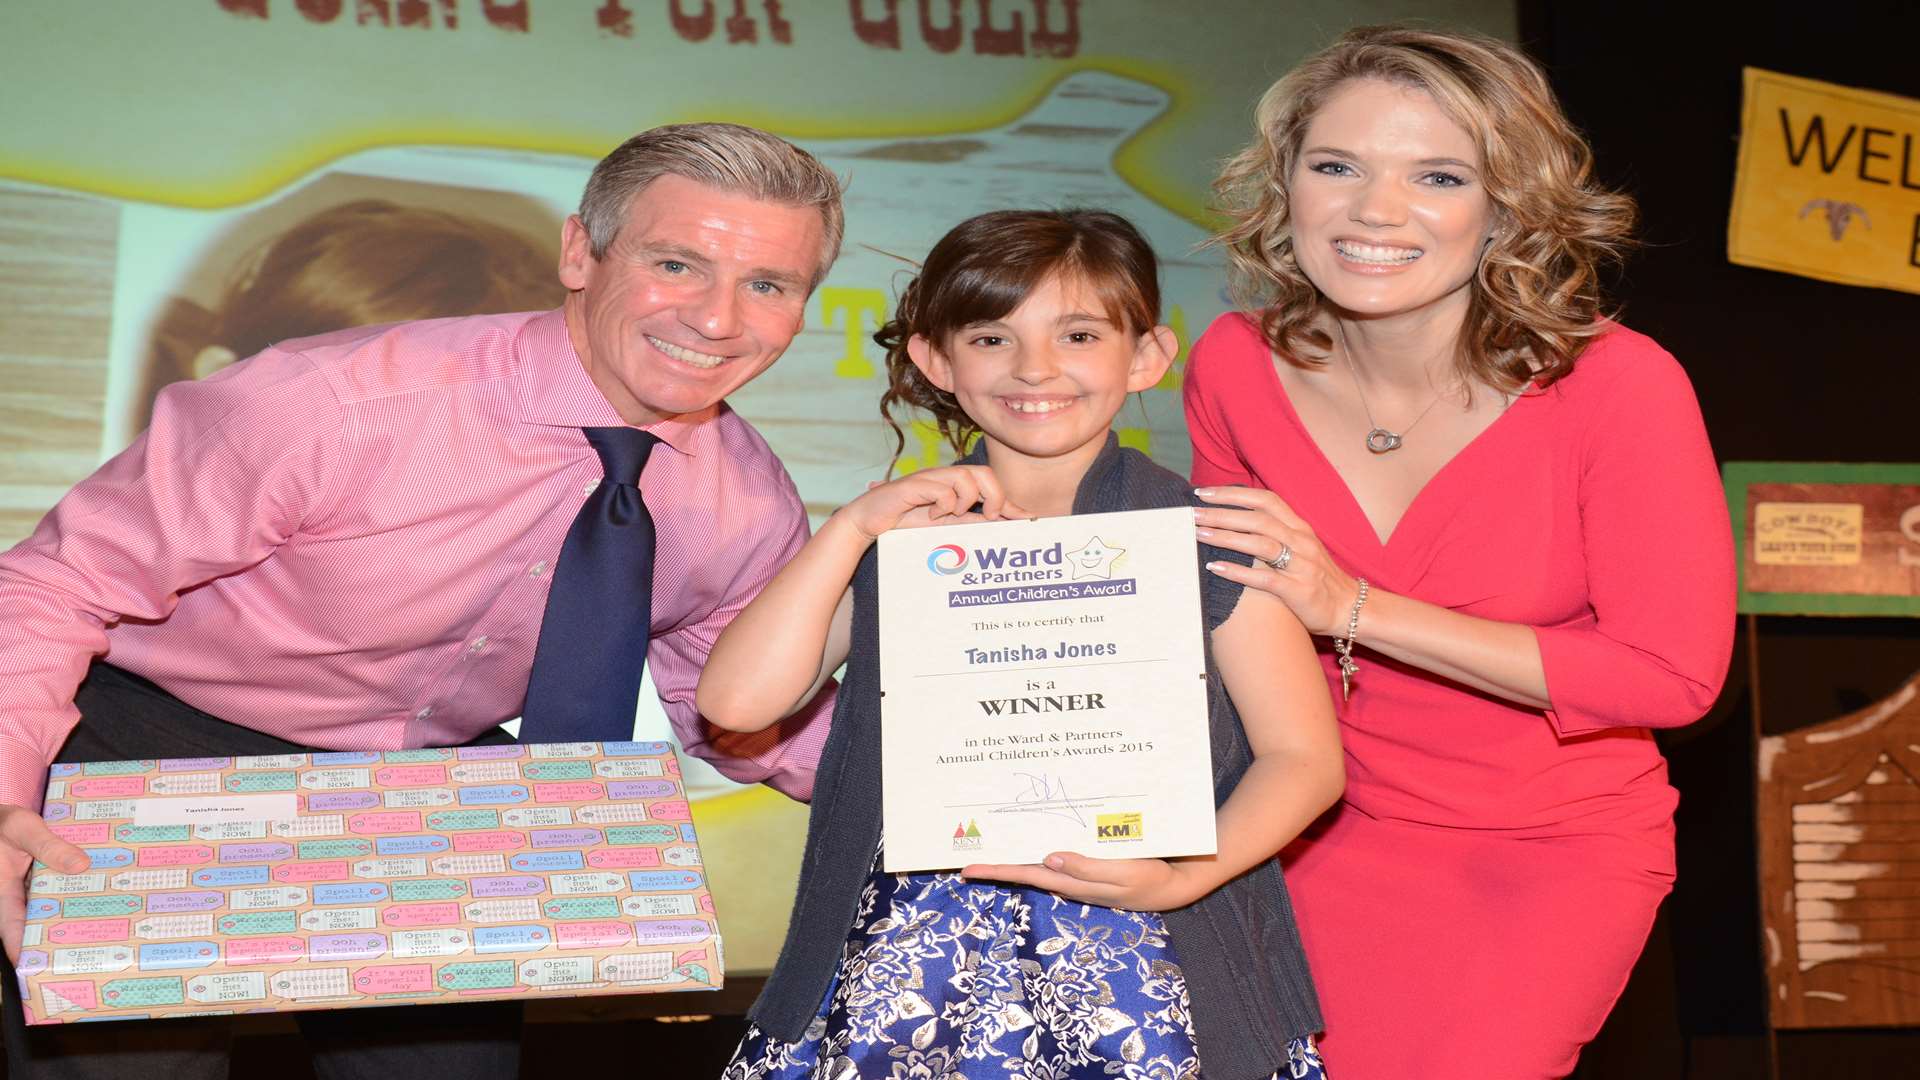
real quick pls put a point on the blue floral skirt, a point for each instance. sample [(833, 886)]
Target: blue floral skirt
[(949, 978)]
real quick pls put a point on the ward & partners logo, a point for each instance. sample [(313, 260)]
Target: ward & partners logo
[(1111, 828), (947, 559), (966, 836)]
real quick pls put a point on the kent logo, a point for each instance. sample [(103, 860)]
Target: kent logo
[(966, 836), (1112, 827)]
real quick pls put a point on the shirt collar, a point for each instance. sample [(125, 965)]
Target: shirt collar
[(556, 391)]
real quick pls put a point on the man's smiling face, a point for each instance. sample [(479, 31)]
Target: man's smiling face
[(701, 290)]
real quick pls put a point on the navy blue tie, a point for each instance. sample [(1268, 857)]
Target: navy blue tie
[(593, 641)]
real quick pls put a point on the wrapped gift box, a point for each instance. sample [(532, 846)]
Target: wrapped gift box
[(337, 880)]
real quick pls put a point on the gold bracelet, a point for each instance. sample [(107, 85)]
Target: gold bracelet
[(1344, 646)]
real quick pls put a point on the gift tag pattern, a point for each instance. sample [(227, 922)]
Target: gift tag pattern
[(409, 876)]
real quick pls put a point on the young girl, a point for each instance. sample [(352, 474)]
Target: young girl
[(1031, 328)]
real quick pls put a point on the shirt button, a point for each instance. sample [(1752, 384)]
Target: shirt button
[(536, 569), (423, 713), (477, 644), (588, 489)]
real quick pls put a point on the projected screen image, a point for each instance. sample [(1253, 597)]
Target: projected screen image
[(334, 165)]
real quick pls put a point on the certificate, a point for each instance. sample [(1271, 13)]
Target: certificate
[(1044, 689)]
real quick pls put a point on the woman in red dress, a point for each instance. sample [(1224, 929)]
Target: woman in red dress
[(1497, 510)]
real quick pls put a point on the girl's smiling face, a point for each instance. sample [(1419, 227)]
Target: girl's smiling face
[(1389, 211), (1046, 380)]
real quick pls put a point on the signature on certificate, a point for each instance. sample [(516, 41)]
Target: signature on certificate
[(1039, 793)]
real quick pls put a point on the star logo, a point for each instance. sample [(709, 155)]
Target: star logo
[(1094, 559)]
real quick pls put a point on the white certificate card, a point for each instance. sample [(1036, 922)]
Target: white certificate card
[(1044, 689)]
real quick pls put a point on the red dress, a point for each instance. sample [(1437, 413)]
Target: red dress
[(1473, 906)]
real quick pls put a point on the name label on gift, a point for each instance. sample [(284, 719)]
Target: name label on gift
[(215, 809)]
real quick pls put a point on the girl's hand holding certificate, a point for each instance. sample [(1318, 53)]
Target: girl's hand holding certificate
[(942, 496), (1133, 884), (780, 637)]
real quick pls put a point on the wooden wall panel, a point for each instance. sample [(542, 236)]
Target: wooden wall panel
[(1839, 824), (56, 278)]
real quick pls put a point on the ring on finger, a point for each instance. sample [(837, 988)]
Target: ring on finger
[(1281, 561)]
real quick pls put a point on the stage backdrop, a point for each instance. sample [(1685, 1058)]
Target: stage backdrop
[(182, 182)]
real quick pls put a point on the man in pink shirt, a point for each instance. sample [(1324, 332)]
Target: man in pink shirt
[(347, 542)]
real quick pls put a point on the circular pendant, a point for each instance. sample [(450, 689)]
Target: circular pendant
[(1382, 441)]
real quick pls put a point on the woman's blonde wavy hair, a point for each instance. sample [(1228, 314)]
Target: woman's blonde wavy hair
[(1536, 296)]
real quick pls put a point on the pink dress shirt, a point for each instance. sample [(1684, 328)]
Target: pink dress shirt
[(346, 542)]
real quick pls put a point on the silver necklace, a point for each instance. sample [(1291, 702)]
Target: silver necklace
[(1379, 439)]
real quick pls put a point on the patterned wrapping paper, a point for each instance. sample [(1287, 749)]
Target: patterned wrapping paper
[(405, 877)]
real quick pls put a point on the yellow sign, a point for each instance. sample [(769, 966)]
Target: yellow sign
[(1111, 827), (1828, 184), (1807, 534)]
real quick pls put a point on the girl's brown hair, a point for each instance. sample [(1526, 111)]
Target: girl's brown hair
[(1536, 296), (987, 266), (356, 264), (373, 261)]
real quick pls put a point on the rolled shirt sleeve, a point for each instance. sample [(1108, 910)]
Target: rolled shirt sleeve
[(785, 755)]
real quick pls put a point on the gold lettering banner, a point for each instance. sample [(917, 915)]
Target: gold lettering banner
[(1828, 184)]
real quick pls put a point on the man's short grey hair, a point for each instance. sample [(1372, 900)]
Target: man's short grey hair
[(730, 157)]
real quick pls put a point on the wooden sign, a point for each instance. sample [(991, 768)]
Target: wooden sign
[(1826, 539), (1828, 183), (1839, 825)]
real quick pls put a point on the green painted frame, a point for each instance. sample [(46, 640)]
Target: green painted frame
[(1737, 476)]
